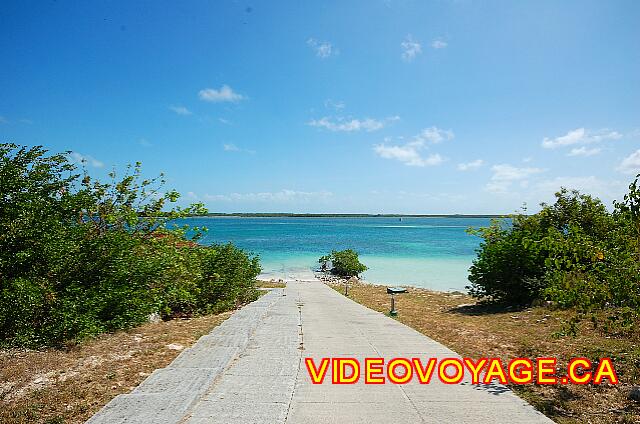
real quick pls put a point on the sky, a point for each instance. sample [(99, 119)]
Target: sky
[(376, 106)]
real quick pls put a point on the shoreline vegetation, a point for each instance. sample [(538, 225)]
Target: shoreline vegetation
[(84, 261), (563, 283), (343, 263), (80, 257)]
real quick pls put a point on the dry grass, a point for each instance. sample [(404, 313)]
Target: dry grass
[(271, 284), (68, 386), (457, 322)]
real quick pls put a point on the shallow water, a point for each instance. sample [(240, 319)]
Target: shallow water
[(428, 252)]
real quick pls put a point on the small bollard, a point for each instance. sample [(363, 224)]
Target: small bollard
[(393, 291)]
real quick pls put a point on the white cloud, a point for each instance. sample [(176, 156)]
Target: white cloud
[(409, 154), (224, 121), (180, 110), (3, 120), (504, 175), (230, 147), (337, 105), (572, 137), (436, 197), (434, 135), (497, 187), (606, 190), (348, 125), (323, 49), (85, 160), (470, 165), (603, 135), (224, 94), (584, 151), (580, 136), (630, 164), (439, 44), (410, 49), (282, 196), (589, 184), (507, 172)]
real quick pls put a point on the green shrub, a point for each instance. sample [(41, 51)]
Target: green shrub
[(79, 257), (514, 259), (35, 204), (508, 268), (574, 253), (26, 307), (344, 263), (228, 277)]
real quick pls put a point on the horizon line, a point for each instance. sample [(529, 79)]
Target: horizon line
[(351, 215)]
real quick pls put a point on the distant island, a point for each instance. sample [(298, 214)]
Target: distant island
[(347, 215)]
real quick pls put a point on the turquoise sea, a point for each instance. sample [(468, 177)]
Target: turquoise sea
[(427, 252)]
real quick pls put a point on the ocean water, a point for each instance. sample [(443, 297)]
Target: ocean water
[(435, 253)]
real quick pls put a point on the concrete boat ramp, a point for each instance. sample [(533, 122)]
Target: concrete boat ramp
[(251, 369)]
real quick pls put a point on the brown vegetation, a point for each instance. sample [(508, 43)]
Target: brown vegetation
[(271, 284), (455, 320), (68, 386)]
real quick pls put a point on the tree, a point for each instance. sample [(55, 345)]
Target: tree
[(574, 253), (345, 263), (35, 203), (324, 262), (515, 258), (79, 257), (628, 210)]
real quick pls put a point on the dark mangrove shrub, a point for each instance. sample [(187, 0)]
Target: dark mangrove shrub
[(344, 263), (79, 257)]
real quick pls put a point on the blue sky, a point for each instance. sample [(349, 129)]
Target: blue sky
[(347, 106)]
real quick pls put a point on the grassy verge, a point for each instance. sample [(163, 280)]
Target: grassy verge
[(457, 322), (271, 284), (68, 386)]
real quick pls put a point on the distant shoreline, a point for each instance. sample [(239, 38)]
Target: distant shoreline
[(342, 215)]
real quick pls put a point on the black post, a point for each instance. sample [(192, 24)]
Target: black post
[(393, 291)]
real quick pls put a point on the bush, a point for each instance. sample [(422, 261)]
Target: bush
[(574, 253), (79, 257), (25, 310), (228, 277), (344, 263), (515, 258), (508, 268)]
